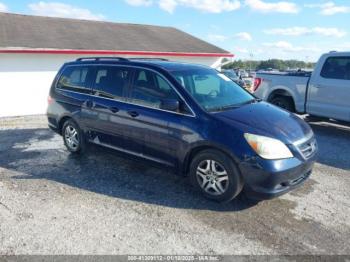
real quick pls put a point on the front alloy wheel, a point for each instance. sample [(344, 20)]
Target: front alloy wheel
[(212, 177), (215, 174)]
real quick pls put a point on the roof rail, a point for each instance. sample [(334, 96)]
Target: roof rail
[(102, 58), (148, 58)]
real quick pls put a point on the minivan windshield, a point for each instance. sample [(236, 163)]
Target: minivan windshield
[(212, 90)]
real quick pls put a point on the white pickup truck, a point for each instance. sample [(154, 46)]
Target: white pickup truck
[(323, 93)]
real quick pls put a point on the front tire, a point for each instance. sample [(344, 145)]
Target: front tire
[(215, 175), (73, 137)]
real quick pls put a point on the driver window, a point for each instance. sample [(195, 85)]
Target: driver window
[(149, 89)]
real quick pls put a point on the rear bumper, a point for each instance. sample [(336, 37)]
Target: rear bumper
[(52, 124), (265, 179), (53, 128)]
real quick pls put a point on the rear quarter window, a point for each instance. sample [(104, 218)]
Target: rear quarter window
[(74, 78)]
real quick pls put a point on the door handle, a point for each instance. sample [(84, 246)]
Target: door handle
[(133, 113), (89, 104), (320, 86), (114, 109)]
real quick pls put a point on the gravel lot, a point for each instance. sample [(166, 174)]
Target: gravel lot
[(101, 203)]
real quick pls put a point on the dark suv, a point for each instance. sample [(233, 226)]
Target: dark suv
[(184, 116)]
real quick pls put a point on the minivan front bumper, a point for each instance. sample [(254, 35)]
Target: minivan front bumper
[(266, 179)]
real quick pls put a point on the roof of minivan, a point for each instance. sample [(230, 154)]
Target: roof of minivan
[(172, 65), (25, 33), (167, 65)]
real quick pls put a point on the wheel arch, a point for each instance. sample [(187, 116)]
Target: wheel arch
[(237, 176), (282, 92), (279, 92), (62, 120), (196, 149)]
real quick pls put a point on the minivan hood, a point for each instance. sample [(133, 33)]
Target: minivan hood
[(265, 119)]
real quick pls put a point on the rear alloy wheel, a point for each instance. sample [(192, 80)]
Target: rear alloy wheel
[(72, 137), (215, 175)]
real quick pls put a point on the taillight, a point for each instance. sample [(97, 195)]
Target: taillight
[(49, 100), (257, 83)]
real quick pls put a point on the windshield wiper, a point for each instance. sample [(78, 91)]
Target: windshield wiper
[(224, 108), (252, 101)]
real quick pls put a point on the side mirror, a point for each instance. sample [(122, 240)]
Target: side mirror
[(170, 104)]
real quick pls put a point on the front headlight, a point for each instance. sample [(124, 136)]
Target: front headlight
[(267, 147)]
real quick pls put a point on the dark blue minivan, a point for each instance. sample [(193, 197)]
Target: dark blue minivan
[(185, 116)]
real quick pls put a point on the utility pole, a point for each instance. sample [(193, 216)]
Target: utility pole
[(251, 61)]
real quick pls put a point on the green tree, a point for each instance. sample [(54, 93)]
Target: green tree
[(277, 64)]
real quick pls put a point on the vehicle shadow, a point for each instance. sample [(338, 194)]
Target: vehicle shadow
[(334, 143), (38, 154)]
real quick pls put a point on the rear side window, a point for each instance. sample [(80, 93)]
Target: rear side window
[(74, 78), (336, 68), (110, 81)]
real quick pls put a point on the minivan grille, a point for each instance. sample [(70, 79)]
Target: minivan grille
[(308, 148)]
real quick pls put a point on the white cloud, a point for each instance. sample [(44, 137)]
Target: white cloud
[(330, 31), (299, 31), (208, 6), (139, 2), (168, 5), (244, 36), (290, 31), (56, 9), (211, 6), (342, 46), (241, 50), (267, 7), (251, 53), (217, 38), (3, 8), (288, 47), (330, 8), (279, 44)]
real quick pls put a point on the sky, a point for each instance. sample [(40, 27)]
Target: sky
[(250, 29)]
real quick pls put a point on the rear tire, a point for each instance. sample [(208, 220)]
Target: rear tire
[(73, 137), (215, 175), (284, 102)]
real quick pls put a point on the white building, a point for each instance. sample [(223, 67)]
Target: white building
[(33, 48)]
